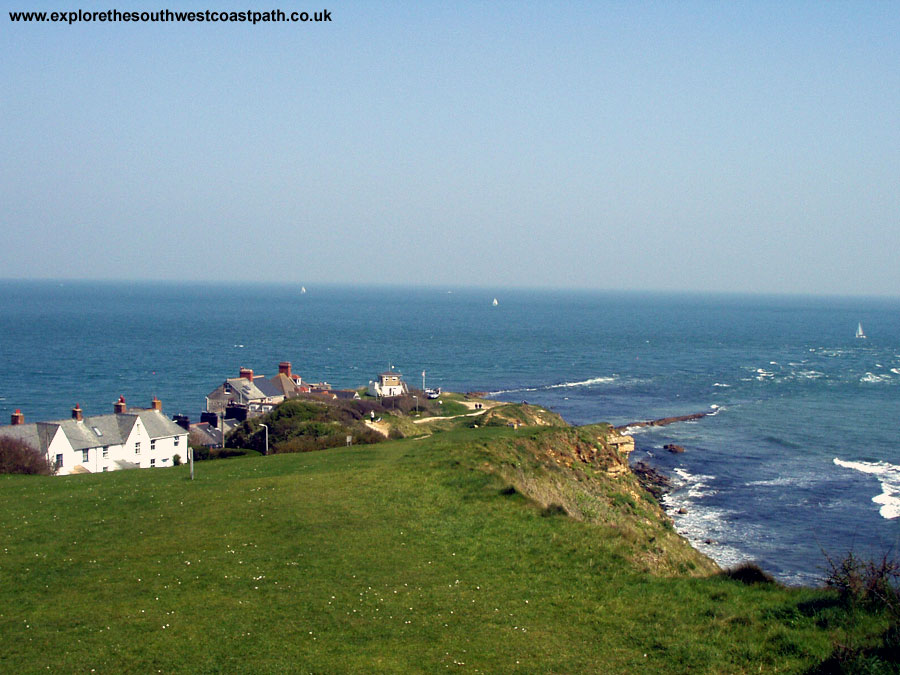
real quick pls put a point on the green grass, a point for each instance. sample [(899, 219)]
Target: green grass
[(406, 556)]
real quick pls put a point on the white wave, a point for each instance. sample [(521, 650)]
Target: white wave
[(693, 486), (561, 385), (705, 527), (895, 371), (871, 378), (809, 374), (720, 384), (584, 383), (773, 363), (888, 476), (511, 391), (801, 481)]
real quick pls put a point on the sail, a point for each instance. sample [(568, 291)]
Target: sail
[(859, 331)]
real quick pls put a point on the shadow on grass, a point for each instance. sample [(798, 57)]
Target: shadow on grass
[(748, 573)]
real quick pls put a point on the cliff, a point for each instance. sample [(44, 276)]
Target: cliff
[(584, 473)]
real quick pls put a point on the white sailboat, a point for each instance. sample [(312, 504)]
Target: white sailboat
[(859, 332), (495, 303), (302, 289)]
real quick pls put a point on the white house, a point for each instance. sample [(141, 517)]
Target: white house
[(388, 384), (124, 439)]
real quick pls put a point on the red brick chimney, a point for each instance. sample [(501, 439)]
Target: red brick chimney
[(156, 404), (247, 374), (285, 368), (76, 413), (17, 418), (119, 406)]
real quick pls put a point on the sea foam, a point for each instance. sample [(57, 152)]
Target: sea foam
[(888, 476), (561, 385)]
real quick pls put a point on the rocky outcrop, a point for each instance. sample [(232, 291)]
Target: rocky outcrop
[(651, 480), (662, 422), (671, 447), (621, 443)]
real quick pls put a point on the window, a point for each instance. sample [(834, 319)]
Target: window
[(106, 468), (152, 444), (152, 462), (105, 452), (58, 461), (84, 455), (176, 440), (137, 447), (97, 431)]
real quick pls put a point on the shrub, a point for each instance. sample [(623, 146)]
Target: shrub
[(176, 460), (874, 584), (17, 456)]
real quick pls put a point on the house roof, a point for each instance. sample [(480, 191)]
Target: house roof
[(269, 388), (283, 384), (95, 431), (238, 388), (209, 435), (37, 435)]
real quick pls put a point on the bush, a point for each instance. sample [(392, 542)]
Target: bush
[(17, 456), (874, 584), (176, 460)]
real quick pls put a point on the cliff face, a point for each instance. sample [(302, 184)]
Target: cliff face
[(584, 472)]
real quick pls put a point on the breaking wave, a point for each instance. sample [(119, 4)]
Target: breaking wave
[(583, 383), (888, 476), (704, 526), (560, 385)]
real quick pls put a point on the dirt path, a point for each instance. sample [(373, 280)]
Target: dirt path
[(380, 427), (485, 405), (449, 417)]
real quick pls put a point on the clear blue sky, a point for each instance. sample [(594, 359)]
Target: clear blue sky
[(625, 145)]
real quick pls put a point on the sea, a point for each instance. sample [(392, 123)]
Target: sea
[(796, 464)]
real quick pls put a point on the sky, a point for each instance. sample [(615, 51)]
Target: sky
[(679, 146)]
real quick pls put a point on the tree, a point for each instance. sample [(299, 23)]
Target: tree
[(17, 456)]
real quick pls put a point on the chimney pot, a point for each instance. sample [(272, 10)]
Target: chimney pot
[(285, 368), (76, 413), (156, 404), (120, 406), (17, 417), (247, 374)]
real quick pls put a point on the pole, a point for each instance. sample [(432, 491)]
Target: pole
[(417, 403), (264, 426), (423, 380)]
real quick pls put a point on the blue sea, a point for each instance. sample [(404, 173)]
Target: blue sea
[(799, 460)]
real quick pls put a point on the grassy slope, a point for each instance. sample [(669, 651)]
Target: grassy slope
[(403, 556)]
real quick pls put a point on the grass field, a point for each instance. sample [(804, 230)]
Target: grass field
[(406, 556)]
